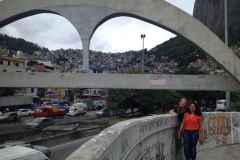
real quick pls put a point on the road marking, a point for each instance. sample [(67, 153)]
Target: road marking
[(72, 142)]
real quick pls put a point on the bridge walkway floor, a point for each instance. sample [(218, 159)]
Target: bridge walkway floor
[(228, 152)]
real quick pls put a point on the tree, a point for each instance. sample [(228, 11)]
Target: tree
[(236, 107), (191, 70), (148, 101), (208, 96), (7, 92)]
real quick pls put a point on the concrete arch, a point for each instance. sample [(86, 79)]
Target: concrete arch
[(160, 13), (23, 15)]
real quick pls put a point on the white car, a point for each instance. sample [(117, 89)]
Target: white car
[(25, 112)]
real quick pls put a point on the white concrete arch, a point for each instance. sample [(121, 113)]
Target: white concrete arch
[(86, 15)]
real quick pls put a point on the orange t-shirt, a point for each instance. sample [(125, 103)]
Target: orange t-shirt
[(191, 123)]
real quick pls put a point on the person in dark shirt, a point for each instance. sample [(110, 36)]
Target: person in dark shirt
[(15, 118), (181, 108)]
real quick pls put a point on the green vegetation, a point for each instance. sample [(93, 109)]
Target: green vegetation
[(178, 49), (234, 40), (7, 92), (147, 101), (113, 121), (20, 44), (236, 107), (192, 70)]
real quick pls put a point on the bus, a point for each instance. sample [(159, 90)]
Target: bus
[(221, 105)]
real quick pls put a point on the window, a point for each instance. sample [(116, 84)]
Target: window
[(17, 64), (32, 90), (1, 62), (9, 63)]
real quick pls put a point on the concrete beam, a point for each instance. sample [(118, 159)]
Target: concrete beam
[(119, 81)]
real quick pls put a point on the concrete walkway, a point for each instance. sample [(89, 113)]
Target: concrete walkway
[(228, 152)]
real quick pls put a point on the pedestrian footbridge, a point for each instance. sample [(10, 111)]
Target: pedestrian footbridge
[(120, 81), (154, 137)]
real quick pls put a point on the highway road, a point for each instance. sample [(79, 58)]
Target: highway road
[(11, 127), (63, 151)]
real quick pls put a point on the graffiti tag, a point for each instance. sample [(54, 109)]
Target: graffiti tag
[(124, 145), (219, 125)]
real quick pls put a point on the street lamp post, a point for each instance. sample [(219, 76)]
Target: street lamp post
[(143, 36), (226, 42)]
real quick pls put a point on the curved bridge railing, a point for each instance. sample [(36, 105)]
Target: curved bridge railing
[(154, 137)]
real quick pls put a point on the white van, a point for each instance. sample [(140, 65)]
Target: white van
[(21, 153), (77, 109), (221, 105)]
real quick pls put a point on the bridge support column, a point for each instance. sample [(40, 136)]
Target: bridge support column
[(85, 44)]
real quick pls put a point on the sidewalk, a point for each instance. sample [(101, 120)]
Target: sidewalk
[(228, 152)]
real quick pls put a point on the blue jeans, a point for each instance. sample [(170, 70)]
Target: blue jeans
[(190, 143)]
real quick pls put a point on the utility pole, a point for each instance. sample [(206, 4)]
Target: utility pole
[(143, 36), (226, 42)]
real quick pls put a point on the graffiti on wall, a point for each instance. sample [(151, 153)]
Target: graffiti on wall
[(158, 147), (151, 125), (108, 156), (124, 145), (219, 127), (160, 151)]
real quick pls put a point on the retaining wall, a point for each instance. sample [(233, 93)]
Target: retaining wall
[(15, 100), (154, 137), (65, 137), (19, 135)]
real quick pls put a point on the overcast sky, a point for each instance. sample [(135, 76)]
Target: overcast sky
[(116, 35)]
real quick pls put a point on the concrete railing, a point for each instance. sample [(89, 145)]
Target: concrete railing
[(154, 137)]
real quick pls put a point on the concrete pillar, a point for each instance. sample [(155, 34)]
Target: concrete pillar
[(75, 98), (85, 44)]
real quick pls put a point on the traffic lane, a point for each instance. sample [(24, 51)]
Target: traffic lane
[(63, 151), (12, 127)]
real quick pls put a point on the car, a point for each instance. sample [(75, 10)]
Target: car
[(43, 149), (66, 107), (9, 116), (41, 122), (25, 112), (21, 153), (102, 113), (96, 108)]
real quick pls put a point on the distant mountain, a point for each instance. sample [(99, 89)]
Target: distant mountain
[(19, 44), (179, 50), (211, 14)]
